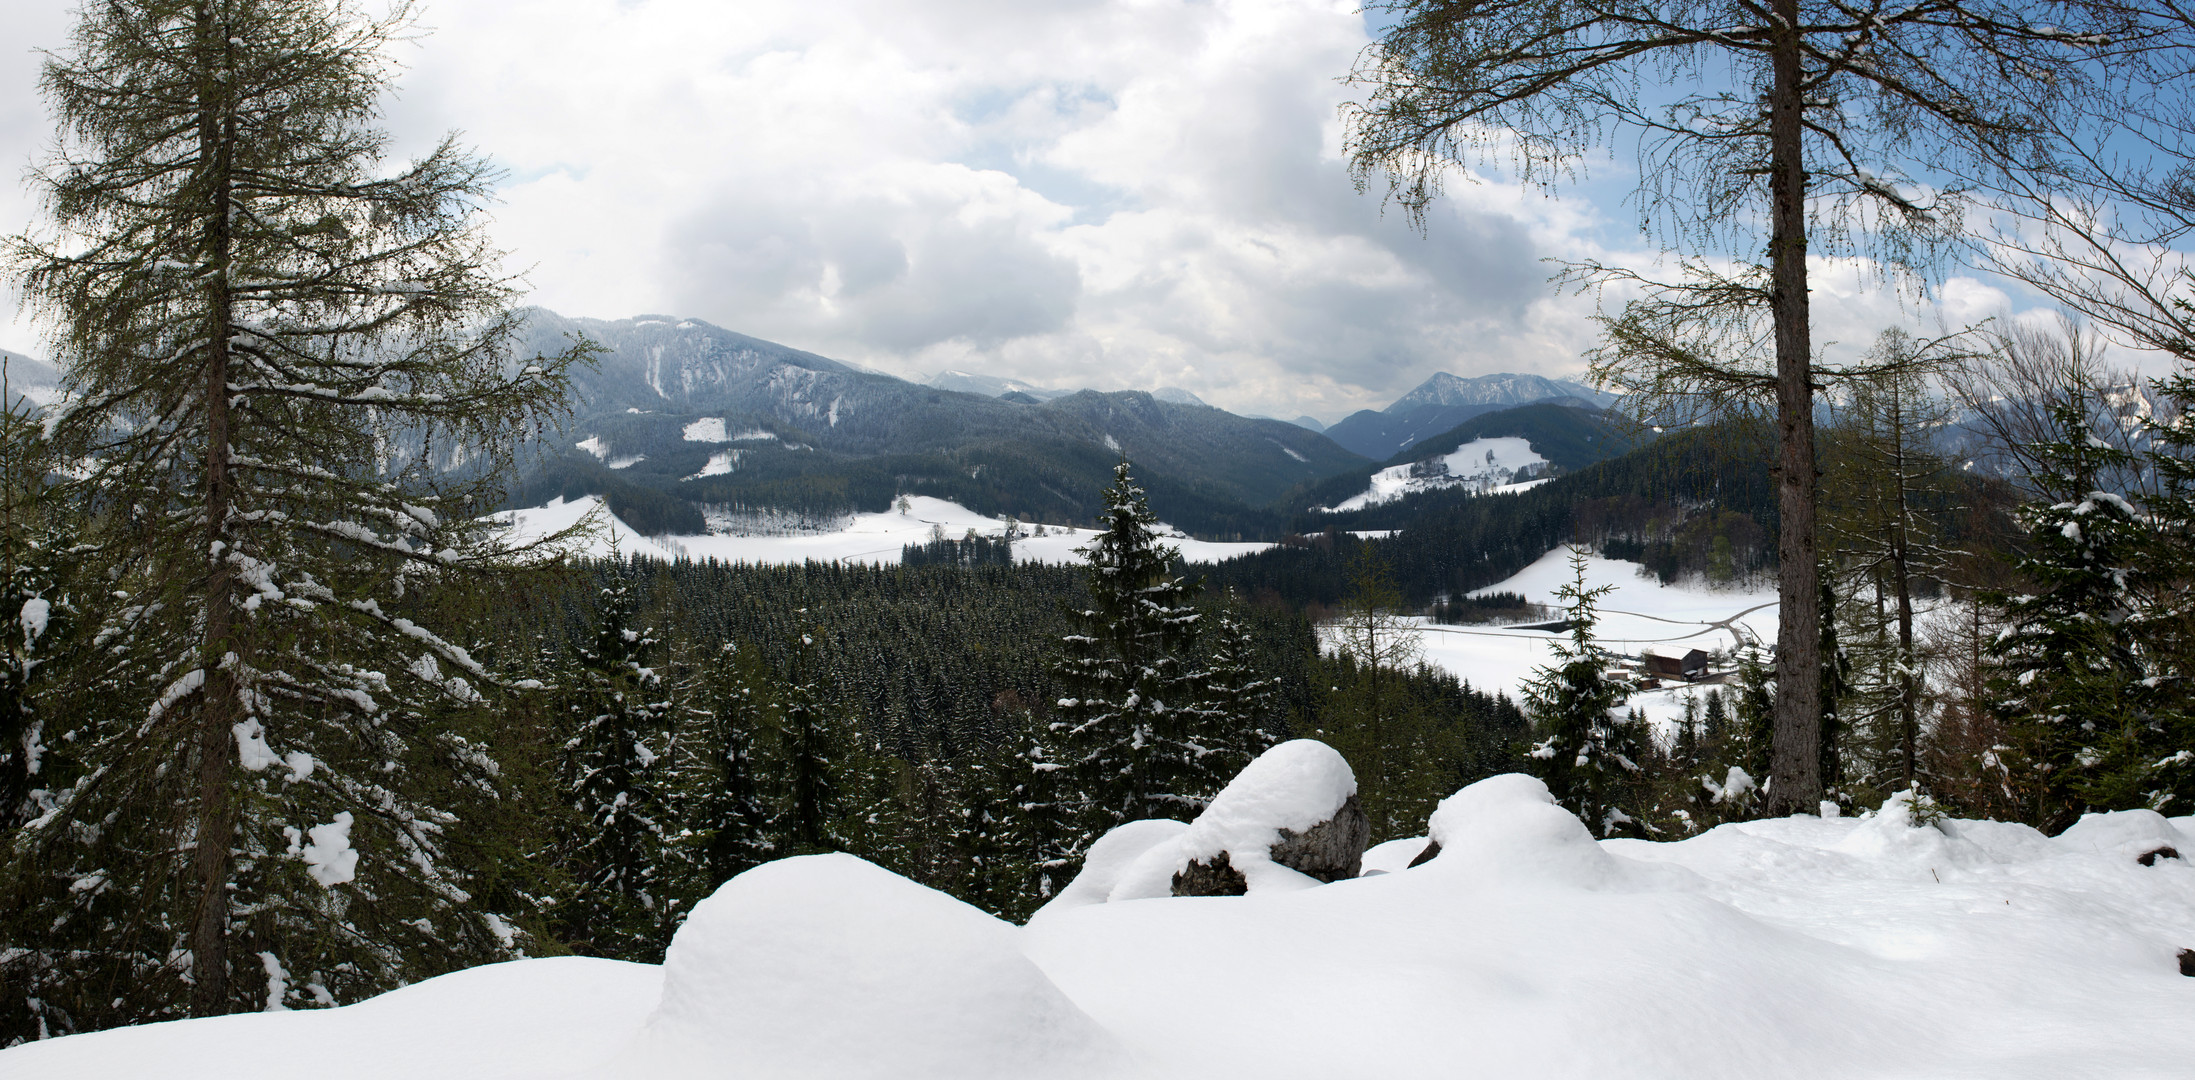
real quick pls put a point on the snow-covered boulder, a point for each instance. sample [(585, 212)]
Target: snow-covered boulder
[(1510, 826), (827, 966), (1108, 861), (2128, 834), (1289, 819)]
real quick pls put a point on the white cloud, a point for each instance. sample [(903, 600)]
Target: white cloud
[(1113, 194), (1107, 193)]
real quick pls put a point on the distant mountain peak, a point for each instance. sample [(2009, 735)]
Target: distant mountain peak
[(1179, 396), (1498, 389), (975, 382)]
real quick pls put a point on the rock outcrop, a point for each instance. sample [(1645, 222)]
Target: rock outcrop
[(1290, 819)]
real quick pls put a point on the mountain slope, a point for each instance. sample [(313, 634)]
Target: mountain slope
[(1445, 389), (1444, 401), (1568, 438), (680, 414)]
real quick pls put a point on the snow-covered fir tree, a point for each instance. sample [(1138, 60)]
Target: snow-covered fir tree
[(622, 851), (1231, 718), (1044, 836), (806, 762), (2161, 760), (1130, 676), (276, 348), (2071, 683), (35, 614), (1587, 754), (721, 799)]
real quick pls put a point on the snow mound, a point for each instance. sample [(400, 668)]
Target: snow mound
[(1109, 860), (1393, 856), (1780, 947), (1897, 833), (1508, 828), (827, 966), (523, 1019), (2127, 834)]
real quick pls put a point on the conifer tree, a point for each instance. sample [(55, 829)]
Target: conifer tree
[(1589, 758), (2071, 682), (808, 763), (275, 348), (2164, 747), (1044, 836), (723, 801), (1233, 712), (35, 613), (1883, 491), (622, 851), (1128, 674)]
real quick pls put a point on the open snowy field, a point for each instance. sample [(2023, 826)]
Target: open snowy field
[(1639, 614), (1851, 949), (1488, 465), (863, 538)]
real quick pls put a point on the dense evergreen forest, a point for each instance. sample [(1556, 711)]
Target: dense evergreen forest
[(923, 736)]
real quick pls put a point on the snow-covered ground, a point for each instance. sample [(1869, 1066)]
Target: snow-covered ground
[(865, 538), (1639, 614), (1487, 465), (1852, 948)]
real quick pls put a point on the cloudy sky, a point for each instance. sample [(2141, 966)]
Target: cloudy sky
[(1104, 193)]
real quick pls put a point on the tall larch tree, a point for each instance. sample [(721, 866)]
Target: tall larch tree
[(276, 349)]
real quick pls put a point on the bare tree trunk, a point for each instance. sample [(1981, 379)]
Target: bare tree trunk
[(213, 863), (1795, 777)]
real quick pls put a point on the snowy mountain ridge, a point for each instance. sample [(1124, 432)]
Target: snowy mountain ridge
[(1443, 401), (1501, 389)]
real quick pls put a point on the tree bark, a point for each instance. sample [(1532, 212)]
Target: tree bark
[(1795, 778), (216, 818)]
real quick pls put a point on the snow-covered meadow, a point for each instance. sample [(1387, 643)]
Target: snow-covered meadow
[(858, 538), (1488, 465), (1842, 948), (1639, 613)]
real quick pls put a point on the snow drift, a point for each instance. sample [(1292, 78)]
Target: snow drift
[(828, 966), (1877, 946)]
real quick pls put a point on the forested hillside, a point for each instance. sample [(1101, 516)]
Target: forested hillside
[(1570, 438), (677, 414)]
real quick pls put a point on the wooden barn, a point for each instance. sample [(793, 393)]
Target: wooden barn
[(1689, 667)]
